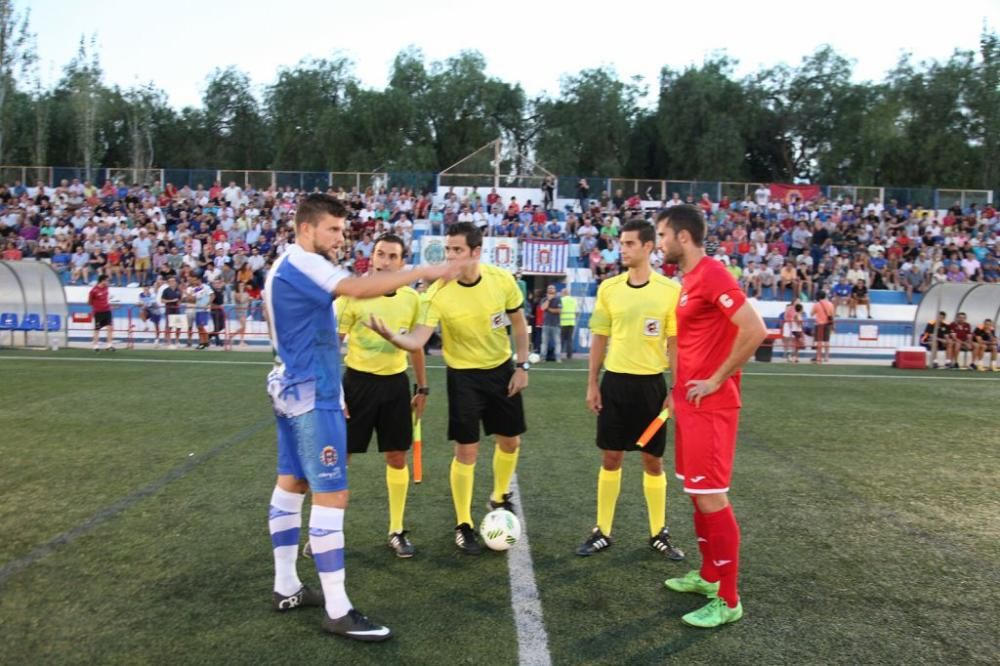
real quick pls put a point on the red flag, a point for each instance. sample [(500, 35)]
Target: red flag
[(786, 193)]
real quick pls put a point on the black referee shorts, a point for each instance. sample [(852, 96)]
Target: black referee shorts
[(630, 403), (481, 395), (380, 404)]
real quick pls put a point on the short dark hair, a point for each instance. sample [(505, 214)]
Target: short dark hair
[(820, 295), (647, 232), (473, 236), (314, 206), (392, 238), (685, 218), (100, 278)]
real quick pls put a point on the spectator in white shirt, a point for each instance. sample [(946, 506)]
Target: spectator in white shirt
[(763, 195)]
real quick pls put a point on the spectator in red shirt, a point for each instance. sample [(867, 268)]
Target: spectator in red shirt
[(12, 253), (492, 198), (822, 312), (361, 263), (960, 340), (100, 304), (705, 204)]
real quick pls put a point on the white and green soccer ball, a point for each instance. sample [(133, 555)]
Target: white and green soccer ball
[(500, 529), (534, 358)]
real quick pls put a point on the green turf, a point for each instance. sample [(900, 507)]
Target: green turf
[(871, 525)]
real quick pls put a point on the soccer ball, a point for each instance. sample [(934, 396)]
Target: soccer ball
[(534, 358), (500, 529)]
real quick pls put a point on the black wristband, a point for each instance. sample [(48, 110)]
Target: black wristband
[(421, 390)]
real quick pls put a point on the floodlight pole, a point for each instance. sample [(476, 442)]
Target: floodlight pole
[(496, 164)]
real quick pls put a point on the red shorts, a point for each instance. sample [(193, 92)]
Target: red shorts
[(704, 447)]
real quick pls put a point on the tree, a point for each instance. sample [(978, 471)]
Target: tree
[(83, 80), (587, 129), (807, 102), (141, 103), (984, 102), (701, 121), (233, 119), (306, 108), (17, 55)]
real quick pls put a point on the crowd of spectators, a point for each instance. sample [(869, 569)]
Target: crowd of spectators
[(776, 249), (781, 249)]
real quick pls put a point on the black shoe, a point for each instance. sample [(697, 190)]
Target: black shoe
[(355, 625), (504, 503), (306, 596), (401, 544), (661, 543), (596, 542), (307, 551), (465, 539)]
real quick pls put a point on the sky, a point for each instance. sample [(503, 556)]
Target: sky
[(176, 44)]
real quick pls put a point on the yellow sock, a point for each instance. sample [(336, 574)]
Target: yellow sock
[(398, 482), (504, 465), (655, 490), (609, 484), (462, 477)]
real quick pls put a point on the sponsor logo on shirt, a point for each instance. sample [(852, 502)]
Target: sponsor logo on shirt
[(651, 328), (684, 299)]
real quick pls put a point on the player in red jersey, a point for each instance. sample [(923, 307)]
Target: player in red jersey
[(717, 332)]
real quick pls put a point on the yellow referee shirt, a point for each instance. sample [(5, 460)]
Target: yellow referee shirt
[(367, 351), (473, 318), (637, 322)]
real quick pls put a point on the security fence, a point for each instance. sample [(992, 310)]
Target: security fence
[(567, 186)]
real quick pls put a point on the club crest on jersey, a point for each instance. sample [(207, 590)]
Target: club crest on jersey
[(498, 320), (684, 299), (651, 328), (328, 456)]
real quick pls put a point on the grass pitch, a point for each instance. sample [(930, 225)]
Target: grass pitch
[(135, 495)]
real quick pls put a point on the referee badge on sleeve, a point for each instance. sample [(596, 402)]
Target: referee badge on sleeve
[(651, 328), (498, 320)]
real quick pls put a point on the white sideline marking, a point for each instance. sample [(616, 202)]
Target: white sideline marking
[(532, 640), (204, 361)]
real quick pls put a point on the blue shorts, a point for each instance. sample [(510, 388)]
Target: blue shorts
[(313, 446), (202, 318), (153, 317)]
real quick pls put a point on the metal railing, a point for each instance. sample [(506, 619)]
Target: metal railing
[(566, 186)]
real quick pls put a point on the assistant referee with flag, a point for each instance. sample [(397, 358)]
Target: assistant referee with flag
[(376, 386), (634, 324)]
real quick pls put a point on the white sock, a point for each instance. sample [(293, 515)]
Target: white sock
[(326, 535), (284, 523)]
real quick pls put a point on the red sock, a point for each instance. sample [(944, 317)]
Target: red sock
[(724, 534), (708, 570)]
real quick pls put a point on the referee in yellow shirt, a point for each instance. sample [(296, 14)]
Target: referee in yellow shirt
[(635, 313), (376, 387), (484, 384)]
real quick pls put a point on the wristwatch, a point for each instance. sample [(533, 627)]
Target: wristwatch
[(421, 390), (523, 366)]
